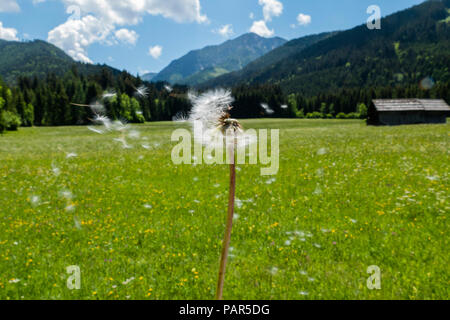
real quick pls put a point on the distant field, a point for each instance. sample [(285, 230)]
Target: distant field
[(347, 196)]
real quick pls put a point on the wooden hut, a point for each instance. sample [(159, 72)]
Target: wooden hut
[(408, 111)]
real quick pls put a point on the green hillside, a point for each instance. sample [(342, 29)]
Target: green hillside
[(38, 58)]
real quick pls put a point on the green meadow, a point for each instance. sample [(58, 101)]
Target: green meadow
[(346, 197)]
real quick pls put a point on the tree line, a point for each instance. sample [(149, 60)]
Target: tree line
[(56, 100)]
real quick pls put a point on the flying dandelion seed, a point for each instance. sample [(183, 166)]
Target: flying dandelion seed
[(303, 293), (146, 146), (120, 126), (103, 120), (109, 94), (303, 273), (124, 143), (71, 155), (141, 91), (270, 181), (168, 88), (284, 106), (148, 206), (96, 130), (267, 109)]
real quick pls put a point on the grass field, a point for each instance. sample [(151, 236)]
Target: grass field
[(346, 197)]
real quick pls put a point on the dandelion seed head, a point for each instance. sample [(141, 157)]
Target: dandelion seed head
[(210, 106)]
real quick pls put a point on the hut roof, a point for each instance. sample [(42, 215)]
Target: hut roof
[(411, 105)]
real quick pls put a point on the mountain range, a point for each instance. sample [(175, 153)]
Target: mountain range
[(411, 45), (201, 65)]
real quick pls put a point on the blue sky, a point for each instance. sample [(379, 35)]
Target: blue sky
[(122, 33)]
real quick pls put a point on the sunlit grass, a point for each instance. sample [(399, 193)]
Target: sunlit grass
[(346, 197)]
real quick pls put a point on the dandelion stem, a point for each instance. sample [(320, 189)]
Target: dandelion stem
[(227, 238)]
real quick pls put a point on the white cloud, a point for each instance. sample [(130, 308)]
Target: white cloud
[(98, 20), (303, 19), (130, 12), (75, 36), (127, 36), (8, 33), (261, 29), (225, 31), (271, 8), (9, 6), (155, 51)]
